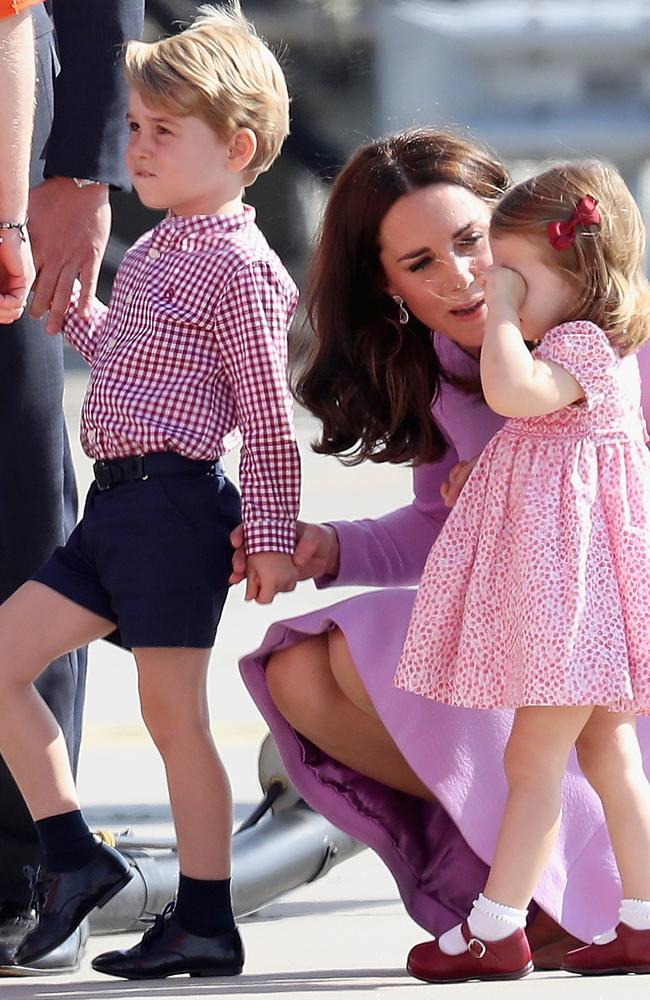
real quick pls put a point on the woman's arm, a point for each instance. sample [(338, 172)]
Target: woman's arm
[(392, 550)]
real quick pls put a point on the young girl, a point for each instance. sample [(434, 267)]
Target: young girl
[(536, 595), (192, 346)]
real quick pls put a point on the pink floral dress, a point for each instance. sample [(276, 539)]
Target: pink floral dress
[(537, 590)]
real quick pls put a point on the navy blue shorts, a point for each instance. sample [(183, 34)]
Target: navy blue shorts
[(154, 556)]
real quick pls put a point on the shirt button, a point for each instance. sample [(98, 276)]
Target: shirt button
[(129, 298), (111, 343), (153, 254), (92, 434)]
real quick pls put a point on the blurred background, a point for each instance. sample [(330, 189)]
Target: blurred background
[(535, 79)]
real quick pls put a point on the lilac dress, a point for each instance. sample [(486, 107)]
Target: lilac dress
[(438, 852)]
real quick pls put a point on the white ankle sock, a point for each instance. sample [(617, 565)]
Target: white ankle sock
[(633, 912), (489, 921)]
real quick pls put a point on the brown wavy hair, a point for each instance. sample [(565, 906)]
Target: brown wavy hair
[(368, 379), (605, 264)]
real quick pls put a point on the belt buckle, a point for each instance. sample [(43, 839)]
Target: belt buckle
[(138, 468), (102, 473)]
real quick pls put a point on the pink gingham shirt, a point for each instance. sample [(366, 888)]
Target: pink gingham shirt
[(192, 348)]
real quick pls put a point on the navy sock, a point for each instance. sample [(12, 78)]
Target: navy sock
[(204, 907), (66, 841)]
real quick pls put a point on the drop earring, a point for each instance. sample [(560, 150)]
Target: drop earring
[(403, 313)]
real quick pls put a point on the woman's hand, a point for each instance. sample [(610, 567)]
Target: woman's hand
[(268, 574), (316, 552), (451, 490)]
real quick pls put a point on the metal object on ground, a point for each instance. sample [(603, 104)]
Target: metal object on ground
[(272, 854)]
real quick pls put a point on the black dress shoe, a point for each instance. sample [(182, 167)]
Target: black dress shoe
[(167, 950), (64, 959), (16, 922), (63, 899)]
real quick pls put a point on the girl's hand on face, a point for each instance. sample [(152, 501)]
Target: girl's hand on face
[(503, 286), (451, 490)]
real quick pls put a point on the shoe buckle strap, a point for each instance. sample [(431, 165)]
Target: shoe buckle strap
[(473, 944)]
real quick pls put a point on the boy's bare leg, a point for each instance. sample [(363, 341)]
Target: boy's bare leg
[(37, 625), (174, 702)]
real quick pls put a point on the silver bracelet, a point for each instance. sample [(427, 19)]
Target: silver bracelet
[(20, 226)]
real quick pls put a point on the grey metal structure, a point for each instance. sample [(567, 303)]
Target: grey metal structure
[(536, 79), (283, 845)]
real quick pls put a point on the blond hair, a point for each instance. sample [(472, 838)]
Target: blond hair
[(222, 72), (605, 261)]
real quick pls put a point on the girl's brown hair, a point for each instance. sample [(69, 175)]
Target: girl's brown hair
[(605, 262), (370, 380)]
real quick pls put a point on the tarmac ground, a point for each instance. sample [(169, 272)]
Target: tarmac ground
[(346, 933)]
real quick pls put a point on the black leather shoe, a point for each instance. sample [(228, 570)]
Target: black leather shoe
[(167, 950), (63, 899), (16, 922), (64, 959)]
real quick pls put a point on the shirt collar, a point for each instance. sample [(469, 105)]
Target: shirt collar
[(176, 228)]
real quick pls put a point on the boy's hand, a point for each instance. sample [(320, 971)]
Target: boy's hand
[(451, 490), (268, 574), (503, 286), (316, 553)]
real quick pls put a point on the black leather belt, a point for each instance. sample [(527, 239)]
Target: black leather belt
[(112, 471)]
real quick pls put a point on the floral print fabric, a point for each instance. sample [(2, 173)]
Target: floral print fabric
[(537, 590)]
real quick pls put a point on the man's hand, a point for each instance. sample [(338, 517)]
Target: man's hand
[(316, 553), (69, 229), (451, 490), (268, 574), (16, 274)]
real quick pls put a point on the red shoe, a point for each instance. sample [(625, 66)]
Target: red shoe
[(628, 952), (505, 959)]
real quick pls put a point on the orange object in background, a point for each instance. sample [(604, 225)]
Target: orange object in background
[(11, 7)]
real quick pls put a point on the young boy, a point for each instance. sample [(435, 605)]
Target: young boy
[(192, 346)]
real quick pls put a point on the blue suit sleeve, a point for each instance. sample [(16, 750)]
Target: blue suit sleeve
[(89, 134)]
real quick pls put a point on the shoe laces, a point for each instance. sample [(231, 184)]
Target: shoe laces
[(39, 885), (158, 923)]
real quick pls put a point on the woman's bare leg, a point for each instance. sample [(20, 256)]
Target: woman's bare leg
[(37, 625), (317, 688)]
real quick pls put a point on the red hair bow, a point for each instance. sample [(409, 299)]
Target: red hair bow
[(561, 235)]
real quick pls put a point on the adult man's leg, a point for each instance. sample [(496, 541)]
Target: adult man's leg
[(37, 511), (38, 508)]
